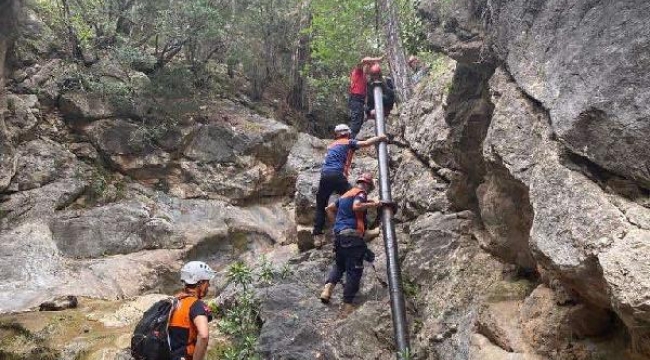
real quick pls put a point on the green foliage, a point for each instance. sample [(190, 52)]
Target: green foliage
[(405, 355), (411, 26), (240, 274), (411, 288), (266, 272), (286, 271), (339, 42), (241, 321)]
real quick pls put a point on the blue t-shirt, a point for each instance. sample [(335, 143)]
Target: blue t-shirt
[(346, 217), (339, 156)]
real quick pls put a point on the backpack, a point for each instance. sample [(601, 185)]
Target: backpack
[(150, 340)]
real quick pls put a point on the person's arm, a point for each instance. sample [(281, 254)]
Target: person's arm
[(331, 211), (202, 337), (359, 205), (369, 60), (371, 141)]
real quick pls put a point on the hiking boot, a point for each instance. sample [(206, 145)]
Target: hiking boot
[(327, 293), (346, 310)]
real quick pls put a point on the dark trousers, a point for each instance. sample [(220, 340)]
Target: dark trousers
[(356, 103), (348, 260), (329, 183)]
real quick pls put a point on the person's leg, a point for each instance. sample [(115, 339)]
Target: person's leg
[(353, 272), (334, 277), (339, 266), (325, 189), (356, 116), (341, 184)]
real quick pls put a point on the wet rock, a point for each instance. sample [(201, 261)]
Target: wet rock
[(59, 303), (131, 312)]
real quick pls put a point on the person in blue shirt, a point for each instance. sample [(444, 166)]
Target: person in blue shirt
[(334, 174), (349, 212)]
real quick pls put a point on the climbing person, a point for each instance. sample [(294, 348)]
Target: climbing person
[(350, 249), (188, 325), (419, 70), (357, 97), (334, 174), (388, 92)]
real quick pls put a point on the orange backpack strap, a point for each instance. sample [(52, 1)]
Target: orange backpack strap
[(181, 318)]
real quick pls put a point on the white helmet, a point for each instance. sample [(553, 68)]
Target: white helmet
[(342, 129), (195, 271)]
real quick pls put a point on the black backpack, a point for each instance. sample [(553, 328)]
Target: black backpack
[(150, 340)]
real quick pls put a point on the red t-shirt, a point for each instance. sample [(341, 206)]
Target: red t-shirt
[(357, 82)]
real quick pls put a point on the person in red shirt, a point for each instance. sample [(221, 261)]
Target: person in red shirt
[(358, 87)]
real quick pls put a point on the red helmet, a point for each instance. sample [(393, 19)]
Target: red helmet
[(375, 70), (367, 179)]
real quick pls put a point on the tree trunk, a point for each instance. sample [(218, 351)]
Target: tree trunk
[(395, 49), (73, 39), (297, 98)]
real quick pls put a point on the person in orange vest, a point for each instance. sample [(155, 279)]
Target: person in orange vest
[(358, 89), (334, 173), (350, 249), (188, 325)]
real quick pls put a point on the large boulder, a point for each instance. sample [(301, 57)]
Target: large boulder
[(31, 263), (128, 148), (113, 229), (23, 114), (578, 231), (80, 107), (42, 161), (39, 203), (237, 156), (586, 70), (447, 275), (416, 188)]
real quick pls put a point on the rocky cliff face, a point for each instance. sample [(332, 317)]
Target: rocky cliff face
[(553, 163), (520, 167)]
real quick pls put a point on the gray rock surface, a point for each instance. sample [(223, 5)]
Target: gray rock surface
[(586, 70), (8, 159), (112, 229), (579, 232), (128, 148), (43, 161)]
